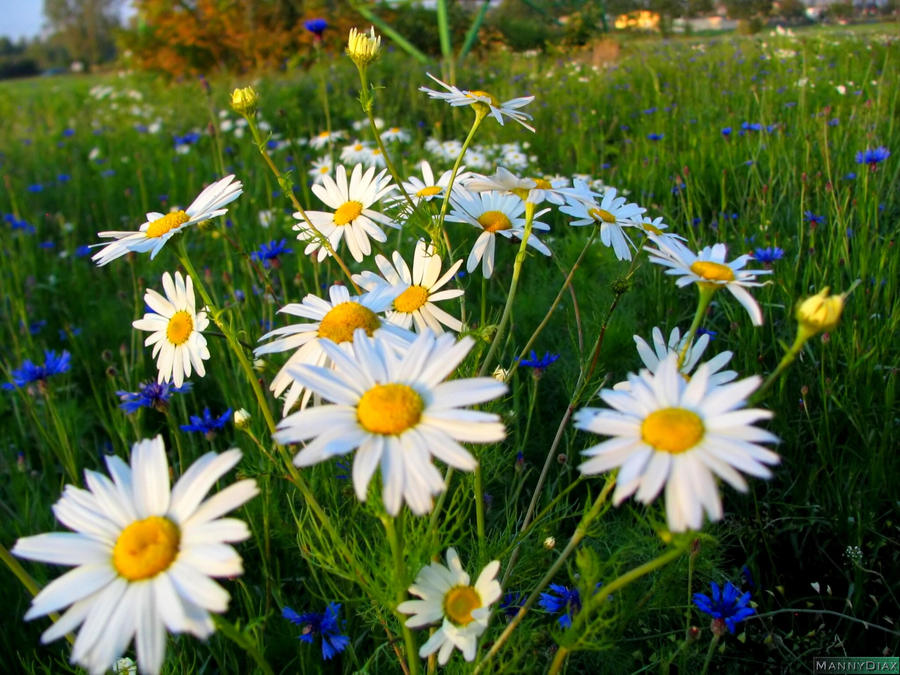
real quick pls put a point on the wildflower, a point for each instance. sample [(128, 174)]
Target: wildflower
[(159, 228), (768, 255), (176, 329), (362, 48), (483, 102), (150, 395), (326, 624), (511, 603), (352, 219), (539, 363), (324, 138), (316, 26), (395, 134), (207, 424), (394, 410), (612, 214), (29, 372), (244, 100), (726, 131), (415, 292), (709, 270), (662, 349), (427, 188), (448, 597), (493, 214), (355, 153), (320, 168), (241, 418), (268, 254), (727, 606), (813, 218), (668, 431), (821, 312), (336, 319), (561, 599), (872, 157), (655, 137), (145, 555)]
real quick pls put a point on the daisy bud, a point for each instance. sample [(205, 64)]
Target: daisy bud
[(820, 312), (244, 100), (241, 419), (550, 543), (362, 48)]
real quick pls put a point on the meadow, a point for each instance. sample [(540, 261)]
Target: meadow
[(781, 147)]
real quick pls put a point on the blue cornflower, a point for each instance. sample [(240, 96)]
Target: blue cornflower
[(83, 251), (539, 363), (63, 178), (726, 131), (207, 424), (655, 137), (561, 599), (726, 605), (316, 26), (703, 331), (35, 187), (849, 176), (268, 254), (768, 255), (68, 132), (751, 126), (150, 395), (873, 157), (813, 218), (511, 603), (29, 372), (325, 624), (833, 122)]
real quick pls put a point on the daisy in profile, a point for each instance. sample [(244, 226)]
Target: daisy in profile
[(613, 214), (678, 434), (335, 319), (709, 270), (448, 596), (426, 188), (493, 213), (352, 219), (176, 329), (159, 228), (459, 97), (144, 556), (325, 138), (397, 412), (415, 292)]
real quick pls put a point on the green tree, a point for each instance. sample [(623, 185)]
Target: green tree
[(84, 27)]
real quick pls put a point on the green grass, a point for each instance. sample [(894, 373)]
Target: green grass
[(835, 409)]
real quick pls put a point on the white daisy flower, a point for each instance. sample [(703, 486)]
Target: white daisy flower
[(415, 293), (448, 596), (494, 214), (159, 228), (612, 214), (357, 152), (375, 158), (363, 123), (709, 269), (395, 134), (503, 181), (325, 138), (397, 412), (144, 556), (669, 431), (176, 329), (656, 227), (320, 168), (336, 320), (427, 188), (352, 220), (459, 97), (662, 349)]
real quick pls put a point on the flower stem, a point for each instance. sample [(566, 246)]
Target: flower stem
[(579, 534), (709, 653), (479, 115), (786, 360), (706, 294), (230, 631), (412, 655)]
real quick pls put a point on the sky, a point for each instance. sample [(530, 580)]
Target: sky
[(25, 18)]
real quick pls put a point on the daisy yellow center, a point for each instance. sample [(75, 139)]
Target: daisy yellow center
[(146, 547), (168, 222), (340, 322), (459, 602), (429, 191), (542, 184), (324, 169), (672, 430), (712, 271), (477, 92), (347, 212), (389, 409), (180, 327), (651, 228), (324, 134), (411, 299), (492, 221), (600, 214)]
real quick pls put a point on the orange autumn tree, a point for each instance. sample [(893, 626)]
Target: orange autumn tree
[(189, 37)]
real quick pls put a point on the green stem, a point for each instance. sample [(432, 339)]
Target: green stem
[(706, 295), (786, 360), (479, 115), (243, 642), (412, 654), (513, 286), (579, 534), (559, 660), (709, 653), (479, 505)]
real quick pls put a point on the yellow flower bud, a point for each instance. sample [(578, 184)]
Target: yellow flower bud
[(244, 100), (241, 419), (362, 48), (820, 312)]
